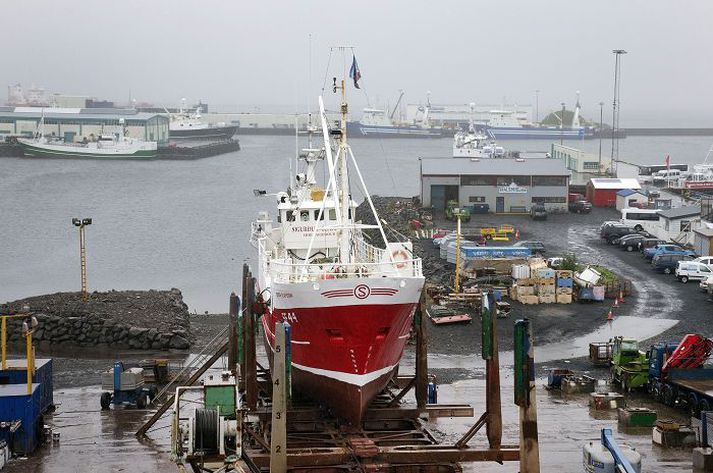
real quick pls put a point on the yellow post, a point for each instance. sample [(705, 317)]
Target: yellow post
[(29, 363), (457, 284), (4, 343)]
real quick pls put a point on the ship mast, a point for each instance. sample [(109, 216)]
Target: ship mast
[(343, 180)]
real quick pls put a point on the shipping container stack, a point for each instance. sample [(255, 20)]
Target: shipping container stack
[(565, 284)]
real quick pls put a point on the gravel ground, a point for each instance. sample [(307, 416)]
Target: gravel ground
[(654, 296)]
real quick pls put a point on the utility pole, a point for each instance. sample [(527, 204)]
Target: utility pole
[(615, 111), (537, 106), (562, 124), (601, 130), (81, 223)]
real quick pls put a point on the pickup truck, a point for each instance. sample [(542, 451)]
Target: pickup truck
[(580, 206), (667, 249)]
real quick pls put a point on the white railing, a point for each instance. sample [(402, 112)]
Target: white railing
[(286, 271)]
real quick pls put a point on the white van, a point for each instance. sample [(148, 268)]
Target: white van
[(688, 270)]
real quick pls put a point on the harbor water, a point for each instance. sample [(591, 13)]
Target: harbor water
[(185, 224)]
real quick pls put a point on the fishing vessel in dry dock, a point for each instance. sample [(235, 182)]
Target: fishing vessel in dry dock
[(349, 304)]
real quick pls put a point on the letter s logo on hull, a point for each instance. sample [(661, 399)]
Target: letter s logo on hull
[(362, 291)]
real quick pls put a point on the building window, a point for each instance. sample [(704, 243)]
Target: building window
[(477, 180), (476, 199), (685, 225), (518, 180), (549, 180), (549, 200), (591, 165)]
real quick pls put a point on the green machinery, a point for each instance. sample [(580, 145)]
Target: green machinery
[(453, 210), (629, 365)]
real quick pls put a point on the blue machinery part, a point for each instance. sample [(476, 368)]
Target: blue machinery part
[(610, 444)]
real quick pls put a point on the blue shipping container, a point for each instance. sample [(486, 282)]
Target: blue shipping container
[(16, 373), (16, 404)]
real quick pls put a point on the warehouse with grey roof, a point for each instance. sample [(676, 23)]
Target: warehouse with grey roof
[(75, 124), (495, 185)]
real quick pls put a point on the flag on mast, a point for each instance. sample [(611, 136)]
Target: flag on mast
[(668, 161), (354, 72)]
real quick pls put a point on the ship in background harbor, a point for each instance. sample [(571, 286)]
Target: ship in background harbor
[(379, 123), (187, 125), (349, 304), (504, 124)]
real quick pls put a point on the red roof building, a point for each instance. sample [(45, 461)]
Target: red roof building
[(601, 192)]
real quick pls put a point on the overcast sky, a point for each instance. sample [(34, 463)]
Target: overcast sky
[(255, 53)]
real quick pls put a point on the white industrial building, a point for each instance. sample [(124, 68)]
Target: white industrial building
[(504, 185), (75, 124)]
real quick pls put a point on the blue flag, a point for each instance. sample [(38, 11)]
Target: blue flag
[(354, 72)]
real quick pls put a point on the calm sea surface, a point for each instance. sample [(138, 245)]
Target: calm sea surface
[(185, 224)]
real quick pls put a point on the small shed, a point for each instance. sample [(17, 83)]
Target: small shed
[(677, 224), (702, 241), (602, 191), (630, 198)]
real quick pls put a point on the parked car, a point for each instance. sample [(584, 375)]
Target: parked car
[(631, 241), (614, 232), (706, 284), (610, 223), (668, 249), (692, 270), (555, 263), (580, 206), (650, 243), (708, 260), (667, 263), (536, 247), (538, 212)]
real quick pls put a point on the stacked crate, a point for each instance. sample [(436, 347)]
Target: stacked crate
[(546, 285), (523, 289), (565, 283)]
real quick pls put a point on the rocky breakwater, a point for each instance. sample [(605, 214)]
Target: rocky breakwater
[(146, 320)]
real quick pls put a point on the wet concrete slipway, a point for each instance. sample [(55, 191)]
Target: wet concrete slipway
[(661, 308)]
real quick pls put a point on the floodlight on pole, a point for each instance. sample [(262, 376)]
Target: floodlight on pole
[(81, 223)]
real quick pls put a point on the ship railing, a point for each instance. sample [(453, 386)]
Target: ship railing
[(302, 272)]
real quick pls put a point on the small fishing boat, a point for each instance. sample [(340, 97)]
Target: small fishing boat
[(115, 145)]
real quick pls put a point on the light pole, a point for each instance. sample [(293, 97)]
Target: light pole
[(601, 130), (615, 110), (81, 223), (537, 106)]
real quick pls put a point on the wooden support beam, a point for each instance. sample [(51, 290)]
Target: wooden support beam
[(250, 373), (192, 380), (421, 353)]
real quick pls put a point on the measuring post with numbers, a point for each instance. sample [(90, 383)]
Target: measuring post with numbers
[(278, 433)]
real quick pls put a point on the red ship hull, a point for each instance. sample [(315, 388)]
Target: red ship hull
[(347, 346)]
